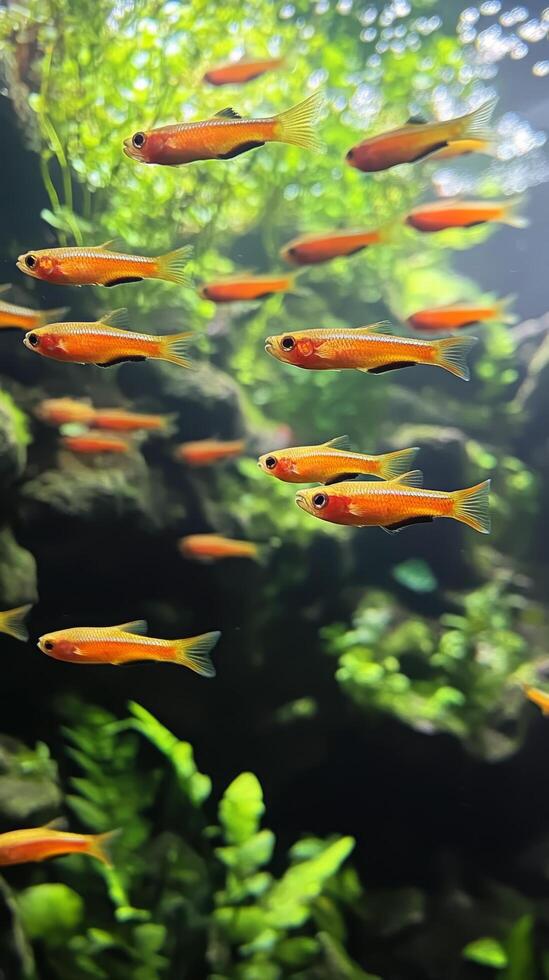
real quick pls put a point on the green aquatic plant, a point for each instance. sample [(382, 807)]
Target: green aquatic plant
[(185, 897), (460, 674)]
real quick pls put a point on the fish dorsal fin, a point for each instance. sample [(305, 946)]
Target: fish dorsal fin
[(5, 287), (340, 442), (137, 626), (414, 478), (416, 120), (228, 113), (58, 823), (382, 327), (116, 318), (112, 242)]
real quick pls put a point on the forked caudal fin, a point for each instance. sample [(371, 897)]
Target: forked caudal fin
[(511, 215), (451, 354), (195, 653), (173, 349), (504, 312), (477, 123), (472, 506), (395, 464), (171, 266), (297, 125), (101, 846), (12, 622)]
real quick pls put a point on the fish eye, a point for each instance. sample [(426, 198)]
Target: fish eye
[(48, 645), (138, 140), (320, 500), (270, 462), (33, 339), (30, 261), (287, 343)]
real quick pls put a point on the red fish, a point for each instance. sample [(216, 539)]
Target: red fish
[(23, 318), (212, 547), (240, 72), (235, 289), (316, 248), (461, 315), (92, 443), (440, 215), (39, 843)]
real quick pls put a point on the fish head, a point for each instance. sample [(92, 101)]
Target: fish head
[(328, 504), (39, 265), (290, 253), (56, 645), (277, 464), (292, 348), (363, 157), (43, 341), (143, 146)]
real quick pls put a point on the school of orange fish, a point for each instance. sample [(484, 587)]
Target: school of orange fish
[(393, 501)]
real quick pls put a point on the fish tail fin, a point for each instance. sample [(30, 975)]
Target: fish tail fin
[(52, 316), (101, 846), (173, 349), (172, 265), (297, 125), (472, 506), (451, 354), (13, 622), (397, 463), (503, 309), (195, 653), (476, 124), (386, 234), (511, 215)]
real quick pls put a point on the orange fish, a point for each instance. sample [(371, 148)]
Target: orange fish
[(396, 504), (235, 289), (12, 622), (23, 318), (537, 697), (418, 139), (460, 148), (440, 215), (204, 452), (368, 349), (91, 443), (120, 420), (212, 547), (331, 462), (461, 315), (60, 411), (40, 843), (226, 135), (313, 249), (104, 343), (240, 72), (99, 266), (126, 644)]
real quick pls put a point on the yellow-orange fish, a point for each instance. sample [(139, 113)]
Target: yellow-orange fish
[(212, 547), (331, 462), (396, 504), (368, 349), (13, 317), (239, 288), (100, 266), (441, 215), (40, 843), (226, 135), (418, 139), (240, 72), (105, 342), (12, 622), (61, 411), (126, 644), (91, 443), (460, 315), (121, 420), (205, 452), (322, 247), (537, 697)]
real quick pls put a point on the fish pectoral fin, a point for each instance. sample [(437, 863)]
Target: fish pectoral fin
[(5, 287), (121, 360), (416, 120), (394, 528), (227, 113), (340, 442), (383, 368), (138, 626), (241, 148), (427, 153)]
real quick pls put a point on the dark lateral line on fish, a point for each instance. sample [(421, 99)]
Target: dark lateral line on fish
[(427, 153), (124, 279), (340, 477), (393, 528), (241, 148), (121, 360), (391, 367)]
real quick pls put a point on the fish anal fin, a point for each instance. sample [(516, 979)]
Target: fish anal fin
[(227, 113), (383, 368), (393, 528), (137, 626), (340, 442), (241, 148)]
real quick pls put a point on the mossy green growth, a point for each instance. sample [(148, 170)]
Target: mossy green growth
[(14, 438), (459, 674)]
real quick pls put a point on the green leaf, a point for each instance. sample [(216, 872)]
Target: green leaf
[(252, 854), (519, 947), (340, 964), (241, 808), (289, 900), (486, 952), (51, 912), (416, 575)]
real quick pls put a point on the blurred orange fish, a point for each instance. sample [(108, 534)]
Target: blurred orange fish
[(99, 266), (91, 443), (396, 504), (240, 72), (418, 139), (367, 349), (460, 315), (460, 148), (226, 135), (204, 452), (23, 318), (121, 420), (235, 289), (60, 411), (212, 547), (332, 461), (126, 644), (537, 697), (12, 622), (39, 843), (440, 215), (313, 249), (104, 342)]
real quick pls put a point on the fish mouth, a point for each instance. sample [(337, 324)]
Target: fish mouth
[(27, 342), (269, 346), (130, 150), (301, 501)]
